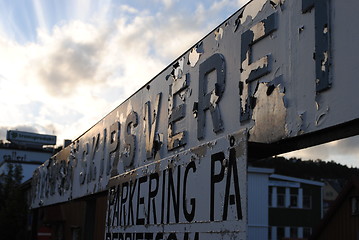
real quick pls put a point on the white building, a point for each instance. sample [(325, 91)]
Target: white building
[(26, 149), (281, 206)]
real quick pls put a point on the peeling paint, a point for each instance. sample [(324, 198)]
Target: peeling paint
[(298, 125), (195, 54), (214, 99), (237, 22), (276, 3), (324, 61), (258, 31), (214, 63), (177, 69), (236, 140), (179, 86), (301, 29), (251, 10), (251, 71), (322, 41), (249, 68), (321, 116), (269, 116), (325, 29), (201, 151), (218, 34)]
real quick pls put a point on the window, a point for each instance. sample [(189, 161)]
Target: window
[(269, 233), (294, 197), (355, 205), (280, 197), (307, 232), (280, 233), (294, 232)]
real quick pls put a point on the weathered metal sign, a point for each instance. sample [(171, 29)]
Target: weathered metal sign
[(199, 193), (30, 138), (279, 68)]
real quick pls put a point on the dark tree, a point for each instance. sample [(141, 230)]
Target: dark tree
[(309, 169), (12, 204)]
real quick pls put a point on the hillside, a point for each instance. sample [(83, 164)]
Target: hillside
[(308, 169)]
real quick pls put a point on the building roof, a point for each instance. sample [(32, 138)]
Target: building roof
[(260, 170), (353, 183), (294, 179)]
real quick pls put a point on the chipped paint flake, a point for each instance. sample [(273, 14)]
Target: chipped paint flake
[(262, 63), (214, 99), (276, 3), (195, 54), (321, 116), (324, 61), (218, 34), (269, 116), (258, 31), (178, 68), (252, 10), (193, 57), (325, 30)]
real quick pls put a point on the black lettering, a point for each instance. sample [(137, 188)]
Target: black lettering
[(108, 236), (172, 236), (128, 236), (140, 201), (163, 197), (252, 70), (115, 236), (159, 236), (130, 202), (116, 211), (322, 41), (148, 236), (130, 140), (232, 168), (85, 151), (92, 168), (171, 189), (188, 215), (151, 197), (176, 113), (215, 178), (151, 126), (139, 236), (209, 101), (113, 146), (120, 236), (123, 201), (102, 153)]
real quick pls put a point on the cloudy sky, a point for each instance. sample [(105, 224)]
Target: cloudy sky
[(65, 64)]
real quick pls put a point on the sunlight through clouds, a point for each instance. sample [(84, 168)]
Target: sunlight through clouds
[(70, 64), (40, 14)]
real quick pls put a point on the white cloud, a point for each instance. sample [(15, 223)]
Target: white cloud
[(79, 71), (128, 9), (167, 3), (344, 151)]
